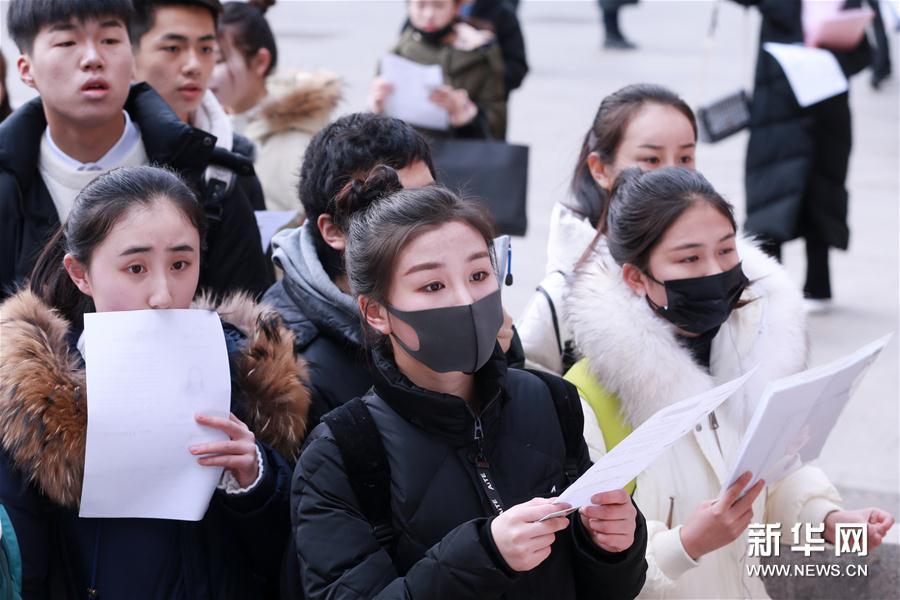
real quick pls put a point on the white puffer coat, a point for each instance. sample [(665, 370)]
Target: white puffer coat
[(634, 354)]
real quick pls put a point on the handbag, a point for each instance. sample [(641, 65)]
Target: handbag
[(729, 114), (724, 117), (493, 172)]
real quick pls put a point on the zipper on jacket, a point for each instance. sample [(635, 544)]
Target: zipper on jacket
[(483, 469), (714, 425)]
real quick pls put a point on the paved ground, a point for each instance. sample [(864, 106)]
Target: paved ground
[(570, 74)]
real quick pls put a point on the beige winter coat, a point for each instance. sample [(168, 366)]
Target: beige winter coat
[(634, 354), (281, 127)]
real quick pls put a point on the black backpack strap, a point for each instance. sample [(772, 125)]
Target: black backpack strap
[(366, 465), (571, 420)]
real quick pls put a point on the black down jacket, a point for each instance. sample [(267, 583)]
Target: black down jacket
[(797, 158), (441, 514), (234, 259)]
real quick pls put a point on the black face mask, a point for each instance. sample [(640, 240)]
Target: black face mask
[(434, 37), (700, 304), (454, 338)]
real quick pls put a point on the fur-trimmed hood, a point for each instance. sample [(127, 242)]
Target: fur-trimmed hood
[(635, 354), (296, 101), (43, 407)]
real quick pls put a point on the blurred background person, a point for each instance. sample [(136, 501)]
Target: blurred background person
[(278, 112), (502, 20), (474, 90), (614, 40), (798, 158)]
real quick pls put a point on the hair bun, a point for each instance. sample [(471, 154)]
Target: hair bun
[(262, 5), (362, 190)]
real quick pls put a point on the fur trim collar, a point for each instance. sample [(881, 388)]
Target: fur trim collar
[(636, 354), (302, 101), (43, 408)]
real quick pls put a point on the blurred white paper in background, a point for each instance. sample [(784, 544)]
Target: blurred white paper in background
[(149, 373), (413, 83), (814, 74), (796, 414), (269, 222)]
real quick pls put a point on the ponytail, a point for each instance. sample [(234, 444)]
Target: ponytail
[(51, 282)]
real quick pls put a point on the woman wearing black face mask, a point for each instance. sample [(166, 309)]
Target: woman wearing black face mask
[(667, 303), (474, 452), (474, 90)]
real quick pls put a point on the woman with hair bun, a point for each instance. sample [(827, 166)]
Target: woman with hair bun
[(669, 302), (475, 451), (278, 111)]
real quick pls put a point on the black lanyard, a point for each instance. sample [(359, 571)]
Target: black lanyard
[(483, 468)]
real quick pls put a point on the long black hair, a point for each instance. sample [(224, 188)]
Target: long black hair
[(604, 136), (97, 209)]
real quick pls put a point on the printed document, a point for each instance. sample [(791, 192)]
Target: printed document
[(796, 414), (149, 372)]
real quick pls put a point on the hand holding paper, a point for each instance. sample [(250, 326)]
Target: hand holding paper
[(645, 444), (610, 520), (411, 85)]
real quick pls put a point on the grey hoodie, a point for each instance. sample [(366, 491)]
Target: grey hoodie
[(307, 299)]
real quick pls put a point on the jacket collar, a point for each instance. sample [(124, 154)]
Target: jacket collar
[(166, 138), (636, 355), (43, 408), (442, 415)]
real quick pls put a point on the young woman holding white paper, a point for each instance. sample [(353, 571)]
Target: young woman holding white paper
[(672, 304), (133, 241), (463, 436)]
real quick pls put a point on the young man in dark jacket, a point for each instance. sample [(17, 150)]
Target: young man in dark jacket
[(78, 57), (313, 297)]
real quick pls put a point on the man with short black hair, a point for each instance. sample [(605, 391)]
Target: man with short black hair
[(314, 297), (77, 55)]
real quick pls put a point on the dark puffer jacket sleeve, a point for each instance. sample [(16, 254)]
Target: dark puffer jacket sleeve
[(259, 517), (341, 558)]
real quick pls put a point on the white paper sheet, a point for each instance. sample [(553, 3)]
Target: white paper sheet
[(269, 222), (796, 414), (645, 444), (814, 74), (149, 373), (413, 83)]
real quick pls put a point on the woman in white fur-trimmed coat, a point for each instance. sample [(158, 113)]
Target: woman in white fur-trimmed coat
[(672, 303)]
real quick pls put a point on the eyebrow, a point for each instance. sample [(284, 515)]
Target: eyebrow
[(177, 37), (142, 249), (69, 25), (691, 245), (428, 266), (62, 26), (658, 147)]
